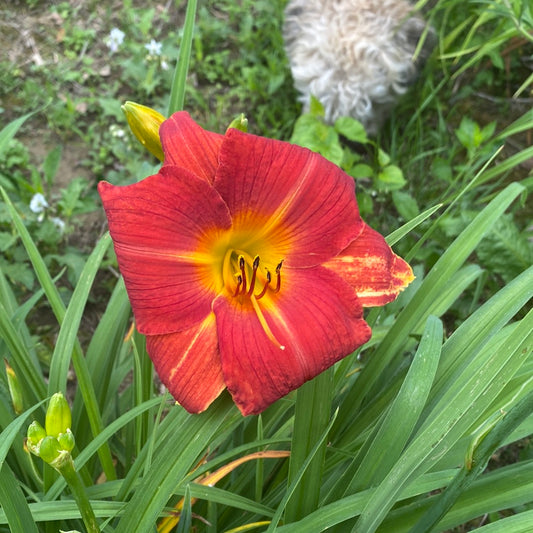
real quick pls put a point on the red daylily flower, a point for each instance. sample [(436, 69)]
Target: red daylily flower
[(247, 265)]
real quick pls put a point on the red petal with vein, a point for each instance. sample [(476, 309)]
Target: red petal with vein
[(304, 205), (316, 317), (369, 265), (189, 365), (187, 145), (156, 226)]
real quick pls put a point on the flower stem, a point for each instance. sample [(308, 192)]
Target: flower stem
[(67, 470)]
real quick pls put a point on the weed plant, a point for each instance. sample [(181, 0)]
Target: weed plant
[(427, 428)]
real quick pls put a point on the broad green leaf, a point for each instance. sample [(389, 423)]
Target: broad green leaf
[(455, 411), (13, 503), (483, 447), (298, 477), (388, 442), (518, 523), (312, 415), (507, 487), (175, 457), (67, 337)]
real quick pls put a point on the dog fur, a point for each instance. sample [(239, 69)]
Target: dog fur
[(354, 56)]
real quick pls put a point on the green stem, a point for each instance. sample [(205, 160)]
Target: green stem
[(67, 470)]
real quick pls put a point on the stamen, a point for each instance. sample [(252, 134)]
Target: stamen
[(242, 265), (278, 275), (255, 266), (267, 283), (264, 324), (239, 283)]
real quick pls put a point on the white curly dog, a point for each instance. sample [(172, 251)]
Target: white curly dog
[(354, 56)]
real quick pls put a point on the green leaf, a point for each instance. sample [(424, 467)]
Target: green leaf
[(51, 164), (188, 437), (385, 446), (311, 132), (9, 131), (390, 178), (177, 95), (455, 411), (352, 129), (298, 477), (398, 234), (518, 523), (405, 204), (69, 329), (483, 451), (13, 503), (311, 417), (184, 524)]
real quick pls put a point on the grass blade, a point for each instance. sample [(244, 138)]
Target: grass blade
[(177, 94), (311, 417), (14, 505), (69, 329)]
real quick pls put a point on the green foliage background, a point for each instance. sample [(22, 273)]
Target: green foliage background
[(428, 428)]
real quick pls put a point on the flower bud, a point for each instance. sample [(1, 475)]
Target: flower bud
[(14, 389), (66, 440), (239, 123), (35, 435), (144, 122), (49, 450), (58, 416)]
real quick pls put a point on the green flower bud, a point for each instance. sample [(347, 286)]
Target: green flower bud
[(239, 123), (49, 450), (14, 389), (66, 440), (58, 416), (35, 435), (144, 122)]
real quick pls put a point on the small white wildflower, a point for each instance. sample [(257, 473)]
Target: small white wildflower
[(117, 131), (58, 223), (164, 65), (154, 48), (38, 203), (114, 39)]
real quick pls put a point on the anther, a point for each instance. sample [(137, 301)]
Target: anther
[(242, 265), (239, 283), (278, 276)]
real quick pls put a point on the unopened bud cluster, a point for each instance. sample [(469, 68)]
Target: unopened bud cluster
[(55, 441)]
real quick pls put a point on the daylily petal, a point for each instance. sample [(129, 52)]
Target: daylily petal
[(369, 265), (302, 204), (189, 365), (314, 321), (157, 226), (187, 145)]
